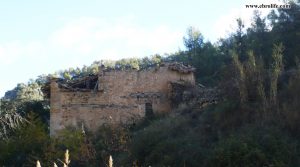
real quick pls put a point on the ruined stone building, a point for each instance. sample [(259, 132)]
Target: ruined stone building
[(114, 96)]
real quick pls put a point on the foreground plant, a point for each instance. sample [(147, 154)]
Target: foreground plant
[(110, 161), (9, 119), (66, 161)]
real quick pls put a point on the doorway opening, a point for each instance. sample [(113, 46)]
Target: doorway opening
[(148, 110)]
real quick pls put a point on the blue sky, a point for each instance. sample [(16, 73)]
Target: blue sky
[(39, 37)]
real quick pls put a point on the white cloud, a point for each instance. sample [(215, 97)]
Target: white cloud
[(112, 54), (91, 38), (2, 52), (74, 32), (114, 38), (10, 51), (35, 50), (16, 50)]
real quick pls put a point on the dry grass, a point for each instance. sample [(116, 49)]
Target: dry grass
[(110, 161), (67, 161)]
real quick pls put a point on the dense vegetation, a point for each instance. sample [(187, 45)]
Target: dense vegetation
[(257, 122)]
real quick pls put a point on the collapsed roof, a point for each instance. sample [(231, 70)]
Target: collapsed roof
[(181, 68), (86, 83), (90, 82)]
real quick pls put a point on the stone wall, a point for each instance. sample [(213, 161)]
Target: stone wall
[(121, 97)]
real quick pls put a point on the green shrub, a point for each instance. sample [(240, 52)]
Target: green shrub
[(25, 145), (255, 146)]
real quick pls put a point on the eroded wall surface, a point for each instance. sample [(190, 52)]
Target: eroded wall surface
[(121, 98)]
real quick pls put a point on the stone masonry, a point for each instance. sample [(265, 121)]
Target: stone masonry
[(118, 96)]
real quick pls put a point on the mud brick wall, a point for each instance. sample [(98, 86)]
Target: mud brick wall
[(121, 97)]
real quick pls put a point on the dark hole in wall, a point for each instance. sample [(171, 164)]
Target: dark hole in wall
[(149, 110)]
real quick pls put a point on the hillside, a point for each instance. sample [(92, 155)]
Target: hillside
[(244, 110)]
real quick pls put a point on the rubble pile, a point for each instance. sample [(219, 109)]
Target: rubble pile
[(197, 96), (181, 68)]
